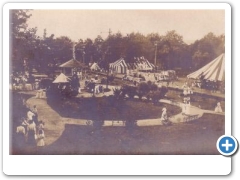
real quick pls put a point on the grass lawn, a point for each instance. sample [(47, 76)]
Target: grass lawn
[(198, 100), (110, 109), (194, 138)]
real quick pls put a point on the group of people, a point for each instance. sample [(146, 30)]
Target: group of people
[(21, 78), (93, 86), (30, 130)]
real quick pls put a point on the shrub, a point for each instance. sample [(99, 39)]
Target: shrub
[(142, 90), (155, 96), (153, 87), (131, 91), (103, 81), (110, 78), (117, 93)]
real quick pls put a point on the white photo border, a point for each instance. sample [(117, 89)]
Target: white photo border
[(106, 164)]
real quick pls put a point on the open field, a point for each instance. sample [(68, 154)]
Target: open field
[(66, 136), (197, 137)]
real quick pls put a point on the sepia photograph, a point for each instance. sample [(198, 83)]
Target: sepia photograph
[(116, 81)]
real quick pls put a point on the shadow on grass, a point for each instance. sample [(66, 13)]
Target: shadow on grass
[(193, 138), (109, 108)]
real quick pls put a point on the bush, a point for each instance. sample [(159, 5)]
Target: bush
[(103, 81), (142, 90), (117, 93), (131, 91), (153, 87), (155, 96), (110, 78)]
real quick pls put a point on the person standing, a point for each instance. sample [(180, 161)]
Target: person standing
[(35, 117), (40, 138), (218, 108), (164, 117), (40, 125), (31, 132), (20, 137), (30, 115)]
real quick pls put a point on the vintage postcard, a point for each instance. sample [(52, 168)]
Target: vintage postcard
[(147, 80)]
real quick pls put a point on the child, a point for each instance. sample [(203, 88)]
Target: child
[(40, 138), (40, 125)]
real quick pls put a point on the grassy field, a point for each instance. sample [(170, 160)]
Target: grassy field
[(111, 109), (194, 138), (65, 138)]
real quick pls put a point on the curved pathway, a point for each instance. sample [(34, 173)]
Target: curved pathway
[(55, 124)]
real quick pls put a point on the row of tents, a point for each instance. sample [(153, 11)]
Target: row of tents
[(213, 71), (140, 63)]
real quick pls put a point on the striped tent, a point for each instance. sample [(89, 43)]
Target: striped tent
[(143, 64), (119, 66), (213, 71)]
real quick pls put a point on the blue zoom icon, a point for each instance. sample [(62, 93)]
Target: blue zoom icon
[(227, 145)]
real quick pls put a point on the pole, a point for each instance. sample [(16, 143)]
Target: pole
[(155, 60), (109, 33)]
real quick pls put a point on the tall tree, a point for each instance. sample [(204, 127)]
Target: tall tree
[(22, 40), (206, 49), (170, 49)]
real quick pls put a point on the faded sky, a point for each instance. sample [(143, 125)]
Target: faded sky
[(82, 24)]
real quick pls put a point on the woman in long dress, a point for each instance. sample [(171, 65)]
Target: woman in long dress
[(20, 137), (31, 132), (164, 117), (40, 138)]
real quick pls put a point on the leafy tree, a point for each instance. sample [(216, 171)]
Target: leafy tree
[(170, 49), (22, 40), (206, 49)]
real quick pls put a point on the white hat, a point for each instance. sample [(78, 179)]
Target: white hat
[(164, 109)]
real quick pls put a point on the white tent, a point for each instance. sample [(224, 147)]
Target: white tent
[(143, 64), (119, 66), (62, 78), (95, 67), (213, 71)]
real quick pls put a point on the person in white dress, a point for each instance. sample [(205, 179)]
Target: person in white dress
[(218, 108), (40, 138), (164, 117), (164, 114), (30, 115)]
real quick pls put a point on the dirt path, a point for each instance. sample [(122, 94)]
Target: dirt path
[(55, 124)]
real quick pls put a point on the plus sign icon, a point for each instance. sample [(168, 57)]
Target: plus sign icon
[(227, 145)]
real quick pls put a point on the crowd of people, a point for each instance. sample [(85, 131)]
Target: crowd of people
[(20, 79), (30, 130)]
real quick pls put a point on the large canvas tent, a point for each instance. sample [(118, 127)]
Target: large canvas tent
[(119, 66), (213, 71)]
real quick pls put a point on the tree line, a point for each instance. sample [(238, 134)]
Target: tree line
[(28, 51)]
